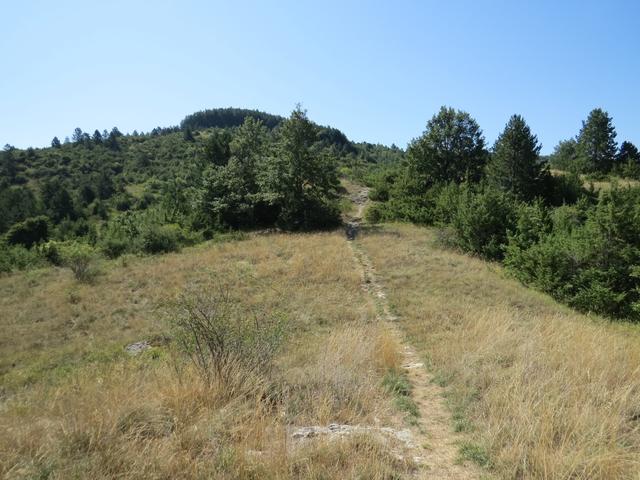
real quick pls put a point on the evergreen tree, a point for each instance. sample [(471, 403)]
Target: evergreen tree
[(628, 153), (301, 180), (597, 143), (9, 163), (564, 156), (55, 143), (77, 135), (97, 137), (515, 163), (451, 149), (187, 135)]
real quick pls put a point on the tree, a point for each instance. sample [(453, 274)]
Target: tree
[(301, 180), (57, 201), (564, 155), (216, 149), (451, 149), (16, 204), (597, 143), (97, 137), (628, 153), (29, 232), (187, 135), (77, 136), (229, 197), (55, 143), (515, 164), (9, 163)]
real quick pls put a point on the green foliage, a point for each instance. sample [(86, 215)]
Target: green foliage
[(588, 258), (18, 257), (300, 181), (564, 155), (81, 259), (451, 149), (160, 239), (596, 149), (397, 383), (483, 219), (515, 164), (28, 233), (17, 203)]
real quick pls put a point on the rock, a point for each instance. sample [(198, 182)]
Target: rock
[(137, 348)]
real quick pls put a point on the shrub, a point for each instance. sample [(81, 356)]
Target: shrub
[(81, 259), (160, 239), (18, 257), (589, 258), (482, 221), (114, 245), (28, 233), (225, 347), (51, 251)]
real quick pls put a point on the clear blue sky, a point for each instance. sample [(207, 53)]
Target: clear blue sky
[(378, 70)]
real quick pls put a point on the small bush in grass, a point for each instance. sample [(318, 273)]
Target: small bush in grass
[(160, 239), (81, 258), (226, 347), (17, 257)]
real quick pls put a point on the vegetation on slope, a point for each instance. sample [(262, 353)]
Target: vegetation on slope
[(546, 392), (75, 405), (580, 246)]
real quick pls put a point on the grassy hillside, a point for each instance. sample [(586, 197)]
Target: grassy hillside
[(546, 392), (75, 405)]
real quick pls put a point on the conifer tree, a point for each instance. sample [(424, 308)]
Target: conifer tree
[(515, 163)]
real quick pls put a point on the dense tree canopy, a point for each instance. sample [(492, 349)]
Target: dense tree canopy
[(451, 148)]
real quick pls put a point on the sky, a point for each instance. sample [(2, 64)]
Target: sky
[(377, 70)]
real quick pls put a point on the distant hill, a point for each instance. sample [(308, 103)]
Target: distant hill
[(227, 117)]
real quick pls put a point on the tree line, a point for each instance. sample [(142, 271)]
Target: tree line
[(504, 203), (154, 192)]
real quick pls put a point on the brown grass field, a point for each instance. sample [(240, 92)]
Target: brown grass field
[(545, 393), (534, 389), (74, 405)]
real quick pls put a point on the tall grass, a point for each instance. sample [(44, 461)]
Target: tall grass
[(74, 405), (547, 393)]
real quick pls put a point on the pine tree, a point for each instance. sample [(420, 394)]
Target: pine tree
[(77, 135), (515, 163), (628, 153), (597, 143), (97, 137), (55, 143)]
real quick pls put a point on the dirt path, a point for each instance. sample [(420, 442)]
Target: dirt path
[(436, 442)]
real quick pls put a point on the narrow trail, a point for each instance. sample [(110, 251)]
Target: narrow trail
[(435, 440)]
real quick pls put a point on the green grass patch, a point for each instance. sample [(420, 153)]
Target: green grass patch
[(397, 383), (475, 453)]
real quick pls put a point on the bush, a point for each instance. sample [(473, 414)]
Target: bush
[(81, 259), (482, 221), (589, 257), (28, 233), (113, 245), (226, 347), (18, 257), (51, 251), (160, 239)]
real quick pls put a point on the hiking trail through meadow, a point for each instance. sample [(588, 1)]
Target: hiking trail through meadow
[(435, 442)]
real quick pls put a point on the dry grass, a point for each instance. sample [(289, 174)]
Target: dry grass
[(545, 392), (602, 184), (75, 406)]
